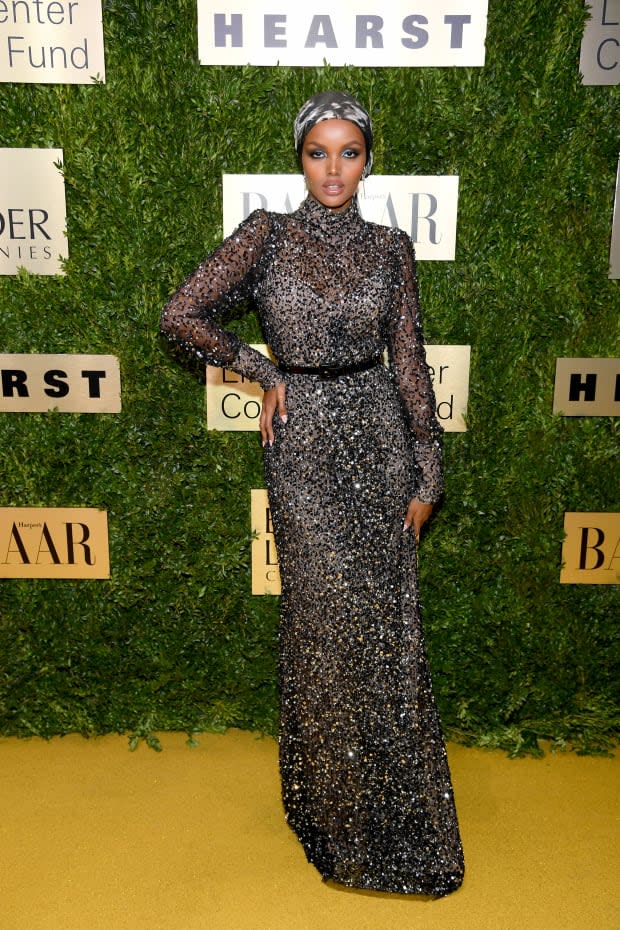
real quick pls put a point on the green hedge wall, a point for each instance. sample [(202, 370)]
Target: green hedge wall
[(174, 640)]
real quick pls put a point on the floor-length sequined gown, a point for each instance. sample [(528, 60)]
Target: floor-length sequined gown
[(365, 780)]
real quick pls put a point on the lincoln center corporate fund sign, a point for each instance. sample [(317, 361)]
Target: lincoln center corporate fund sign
[(599, 62), (233, 404), (51, 41), (614, 249), (398, 34), (32, 211)]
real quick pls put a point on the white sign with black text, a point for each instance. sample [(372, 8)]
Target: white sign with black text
[(32, 211), (425, 206), (51, 41), (599, 62), (399, 34)]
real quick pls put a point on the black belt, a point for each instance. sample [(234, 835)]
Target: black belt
[(327, 372)]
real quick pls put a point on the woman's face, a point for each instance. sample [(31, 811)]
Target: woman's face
[(333, 156)]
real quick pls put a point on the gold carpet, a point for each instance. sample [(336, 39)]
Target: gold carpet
[(94, 837)]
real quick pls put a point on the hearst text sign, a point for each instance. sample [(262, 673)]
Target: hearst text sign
[(399, 34), (68, 383), (587, 387)]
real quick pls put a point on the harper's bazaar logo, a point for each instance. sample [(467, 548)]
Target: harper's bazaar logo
[(60, 542), (356, 32), (425, 206), (591, 551)]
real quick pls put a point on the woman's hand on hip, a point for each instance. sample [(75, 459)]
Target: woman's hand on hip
[(273, 399), (417, 515)]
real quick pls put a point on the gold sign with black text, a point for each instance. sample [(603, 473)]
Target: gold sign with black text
[(233, 403), (587, 387), (591, 550), (68, 383), (53, 542), (265, 571)]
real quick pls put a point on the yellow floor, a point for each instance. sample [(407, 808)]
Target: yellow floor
[(94, 837)]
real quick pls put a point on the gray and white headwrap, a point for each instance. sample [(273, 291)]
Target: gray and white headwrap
[(333, 104)]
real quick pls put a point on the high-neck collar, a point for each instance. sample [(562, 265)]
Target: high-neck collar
[(329, 224)]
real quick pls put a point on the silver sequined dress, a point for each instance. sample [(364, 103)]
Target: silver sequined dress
[(365, 779)]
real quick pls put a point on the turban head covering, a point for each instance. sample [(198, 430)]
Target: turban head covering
[(333, 104)]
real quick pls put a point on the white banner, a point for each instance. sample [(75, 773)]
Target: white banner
[(425, 206), (233, 403), (399, 34), (32, 211), (51, 41)]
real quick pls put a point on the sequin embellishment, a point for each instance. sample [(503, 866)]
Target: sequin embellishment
[(365, 779)]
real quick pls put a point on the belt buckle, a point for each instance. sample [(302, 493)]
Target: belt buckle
[(326, 374)]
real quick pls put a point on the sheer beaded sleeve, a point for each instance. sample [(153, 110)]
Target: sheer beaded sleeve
[(225, 277), (408, 364)]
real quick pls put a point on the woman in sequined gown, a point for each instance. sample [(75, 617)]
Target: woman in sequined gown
[(353, 466)]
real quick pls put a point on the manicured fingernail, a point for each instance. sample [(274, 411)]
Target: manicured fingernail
[(284, 419)]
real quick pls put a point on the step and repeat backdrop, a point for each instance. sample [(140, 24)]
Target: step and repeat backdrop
[(62, 42)]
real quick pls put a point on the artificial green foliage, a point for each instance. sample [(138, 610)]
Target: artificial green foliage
[(175, 640)]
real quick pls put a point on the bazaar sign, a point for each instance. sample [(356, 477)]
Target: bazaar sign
[(58, 542), (425, 206), (591, 550)]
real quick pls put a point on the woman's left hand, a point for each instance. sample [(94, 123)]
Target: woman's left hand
[(417, 515)]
